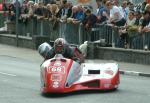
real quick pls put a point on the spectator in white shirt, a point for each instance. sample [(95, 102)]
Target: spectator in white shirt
[(123, 9), (116, 17)]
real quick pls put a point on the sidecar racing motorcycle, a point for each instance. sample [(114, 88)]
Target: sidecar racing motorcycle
[(63, 75)]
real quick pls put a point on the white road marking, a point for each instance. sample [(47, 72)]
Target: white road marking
[(13, 75), (132, 73), (5, 80)]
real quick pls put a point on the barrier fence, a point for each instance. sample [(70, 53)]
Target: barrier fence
[(76, 34), (2, 19)]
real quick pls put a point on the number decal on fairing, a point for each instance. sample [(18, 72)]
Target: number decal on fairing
[(54, 69)]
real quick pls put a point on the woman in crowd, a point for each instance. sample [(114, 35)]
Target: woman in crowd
[(126, 34)]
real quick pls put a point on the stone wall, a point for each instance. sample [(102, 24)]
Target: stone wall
[(23, 41), (118, 54), (93, 52)]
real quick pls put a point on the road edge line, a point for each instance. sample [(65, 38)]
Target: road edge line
[(134, 73)]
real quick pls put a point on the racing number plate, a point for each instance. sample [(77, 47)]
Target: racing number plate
[(54, 69)]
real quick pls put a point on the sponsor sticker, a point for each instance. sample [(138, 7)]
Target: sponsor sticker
[(58, 63), (56, 77), (55, 84)]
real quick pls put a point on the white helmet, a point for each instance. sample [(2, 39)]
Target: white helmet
[(44, 48), (59, 45)]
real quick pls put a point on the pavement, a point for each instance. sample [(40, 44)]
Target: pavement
[(33, 55)]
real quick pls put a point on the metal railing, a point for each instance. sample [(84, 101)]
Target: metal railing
[(2, 19), (76, 34)]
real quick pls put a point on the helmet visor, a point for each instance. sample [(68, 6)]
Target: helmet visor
[(59, 49)]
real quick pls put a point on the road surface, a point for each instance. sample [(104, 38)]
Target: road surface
[(20, 82)]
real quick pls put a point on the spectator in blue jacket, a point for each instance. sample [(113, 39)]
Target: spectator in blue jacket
[(80, 13), (102, 13), (77, 14)]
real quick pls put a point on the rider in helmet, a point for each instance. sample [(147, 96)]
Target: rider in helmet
[(59, 45), (62, 47)]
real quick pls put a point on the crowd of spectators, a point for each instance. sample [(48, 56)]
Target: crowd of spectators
[(127, 16)]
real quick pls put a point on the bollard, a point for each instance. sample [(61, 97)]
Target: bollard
[(41, 28), (80, 35)]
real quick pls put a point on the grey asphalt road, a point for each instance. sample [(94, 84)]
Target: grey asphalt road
[(20, 83)]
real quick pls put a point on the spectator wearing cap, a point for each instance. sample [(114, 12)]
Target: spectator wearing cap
[(116, 17)]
